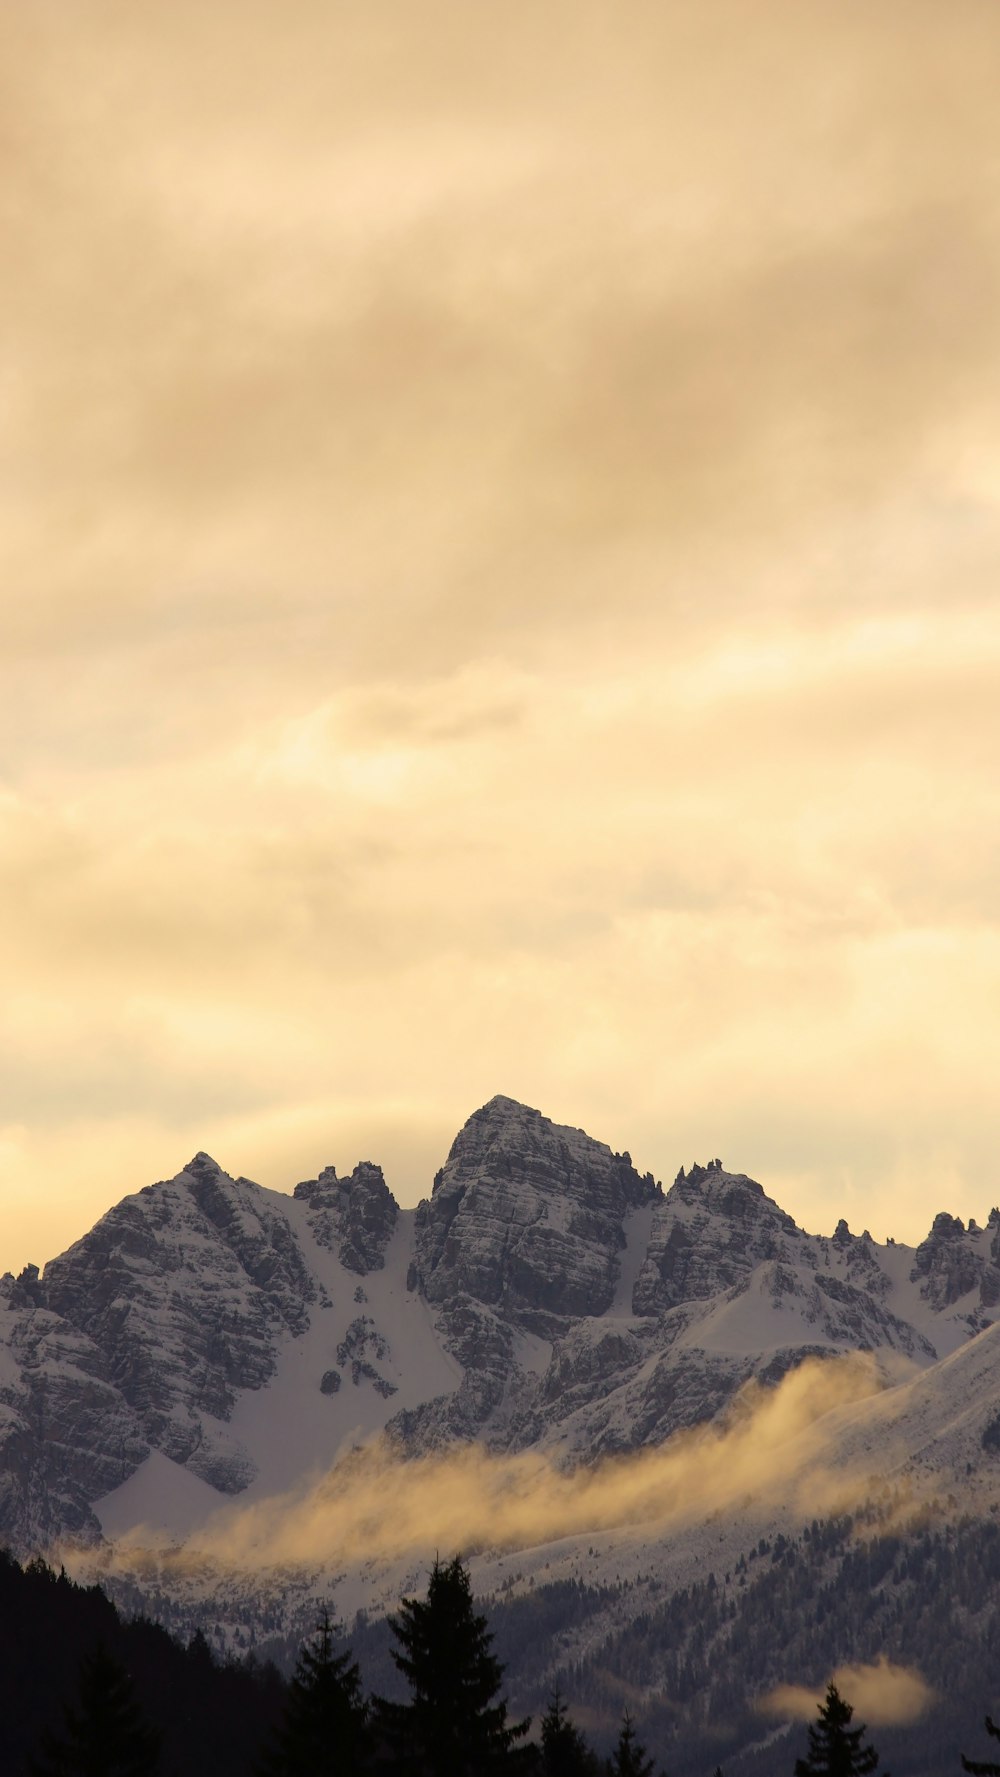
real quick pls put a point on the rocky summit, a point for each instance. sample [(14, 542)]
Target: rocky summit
[(225, 1339)]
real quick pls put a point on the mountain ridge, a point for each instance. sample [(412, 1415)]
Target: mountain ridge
[(544, 1296), (209, 1403)]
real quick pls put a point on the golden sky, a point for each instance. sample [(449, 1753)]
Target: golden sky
[(500, 536)]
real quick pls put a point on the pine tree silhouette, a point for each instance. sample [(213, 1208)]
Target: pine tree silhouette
[(835, 1748), (565, 1752), (455, 1724), (629, 1758), (977, 1766), (105, 1734), (324, 1732)]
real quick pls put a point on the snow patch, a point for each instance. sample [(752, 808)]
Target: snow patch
[(161, 1497), (637, 1228)]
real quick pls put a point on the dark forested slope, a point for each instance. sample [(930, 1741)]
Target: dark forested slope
[(212, 1718)]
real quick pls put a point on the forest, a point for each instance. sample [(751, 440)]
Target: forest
[(85, 1692)]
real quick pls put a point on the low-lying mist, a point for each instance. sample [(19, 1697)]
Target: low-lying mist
[(882, 1695), (377, 1505)]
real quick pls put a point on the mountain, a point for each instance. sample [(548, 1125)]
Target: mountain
[(176, 1386), (544, 1297)]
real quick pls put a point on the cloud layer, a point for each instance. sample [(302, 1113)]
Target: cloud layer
[(500, 539), (374, 1507), (882, 1695)]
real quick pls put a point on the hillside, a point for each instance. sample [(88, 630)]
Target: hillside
[(230, 1403)]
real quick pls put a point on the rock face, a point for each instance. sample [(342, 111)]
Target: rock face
[(185, 1289), (526, 1217), (353, 1216), (954, 1260), (545, 1296), (708, 1234), (523, 1234), (67, 1435)]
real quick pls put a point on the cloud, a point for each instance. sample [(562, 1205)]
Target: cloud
[(501, 544), (324, 346), (529, 881), (882, 1695), (372, 1506)]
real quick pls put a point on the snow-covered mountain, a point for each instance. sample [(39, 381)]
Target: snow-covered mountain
[(210, 1338)]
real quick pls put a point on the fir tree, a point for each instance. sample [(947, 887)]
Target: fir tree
[(835, 1748), (565, 1752), (455, 1724), (324, 1732), (629, 1758), (105, 1735), (977, 1766)]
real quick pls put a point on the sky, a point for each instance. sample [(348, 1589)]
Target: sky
[(500, 521)]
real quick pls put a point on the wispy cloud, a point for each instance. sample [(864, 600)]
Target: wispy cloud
[(374, 1507), (500, 543), (882, 1694)]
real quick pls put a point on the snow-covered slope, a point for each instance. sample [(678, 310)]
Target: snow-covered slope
[(210, 1338)]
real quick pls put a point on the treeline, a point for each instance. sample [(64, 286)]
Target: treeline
[(84, 1693), (846, 1590), (208, 1717)]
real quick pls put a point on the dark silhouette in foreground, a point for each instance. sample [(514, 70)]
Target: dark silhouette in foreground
[(835, 1748), (324, 1730), (455, 1724), (629, 1758), (104, 1732), (564, 1751), (979, 1767)]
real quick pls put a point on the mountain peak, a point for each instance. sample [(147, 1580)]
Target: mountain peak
[(500, 1110), (203, 1163), (354, 1216), (526, 1214), (731, 1194), (572, 1307)]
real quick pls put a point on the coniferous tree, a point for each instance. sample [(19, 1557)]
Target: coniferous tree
[(105, 1734), (564, 1751), (212, 1719), (978, 1767), (324, 1732), (629, 1758), (455, 1724), (835, 1748)]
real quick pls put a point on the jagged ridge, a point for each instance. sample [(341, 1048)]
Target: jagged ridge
[(545, 1295)]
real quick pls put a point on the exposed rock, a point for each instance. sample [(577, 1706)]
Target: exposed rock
[(952, 1262), (66, 1433), (185, 1289), (526, 1216), (483, 1344), (522, 1233), (569, 1304), (709, 1232), (354, 1216), (361, 1348), (850, 1315)]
